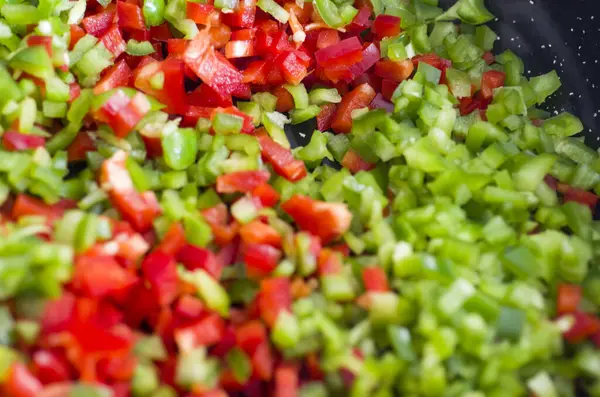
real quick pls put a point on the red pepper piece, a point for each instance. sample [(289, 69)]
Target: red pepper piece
[(359, 97), (82, 144), (569, 296), (257, 232), (173, 241), (117, 75), (274, 297), (243, 16), (14, 141), (286, 381), (199, 13), (281, 159), (45, 41), (329, 262), (375, 279), (325, 116), (261, 259), (491, 80), (20, 382), (98, 24), (370, 56), (160, 271), (193, 257), (113, 41), (139, 209), (386, 26), (241, 181), (205, 332), (397, 71), (584, 326), (345, 52), (325, 220), (267, 195), (129, 16)]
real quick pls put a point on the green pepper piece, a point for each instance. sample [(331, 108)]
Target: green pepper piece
[(154, 12), (180, 146)]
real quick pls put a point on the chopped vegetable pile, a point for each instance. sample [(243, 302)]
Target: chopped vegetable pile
[(160, 237)]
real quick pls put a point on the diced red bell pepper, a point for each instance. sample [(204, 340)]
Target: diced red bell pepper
[(470, 104), (281, 159), (325, 220), (257, 232), (362, 20), (205, 332), (82, 144), (243, 16), (219, 35), (25, 205), (50, 367), (577, 195), (291, 67), (358, 98), (239, 49), (160, 271), (216, 217), (250, 335), (172, 94), (386, 26), (488, 57), (98, 24), (370, 56), (129, 16), (177, 46), (397, 71), (434, 60), (325, 116), (74, 91), (20, 382), (117, 75), (199, 13), (584, 326), (189, 308), (14, 141), (286, 381), (569, 296), (138, 209), (261, 259), (327, 37), (285, 100), (491, 80), (387, 88), (76, 34), (345, 52), (262, 363), (243, 34), (267, 195), (274, 297), (44, 41), (212, 67), (173, 240), (205, 96), (101, 276), (375, 279), (329, 262), (124, 113), (193, 257), (113, 41), (241, 181)]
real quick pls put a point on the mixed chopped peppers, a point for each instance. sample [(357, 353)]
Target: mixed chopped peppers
[(160, 236)]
